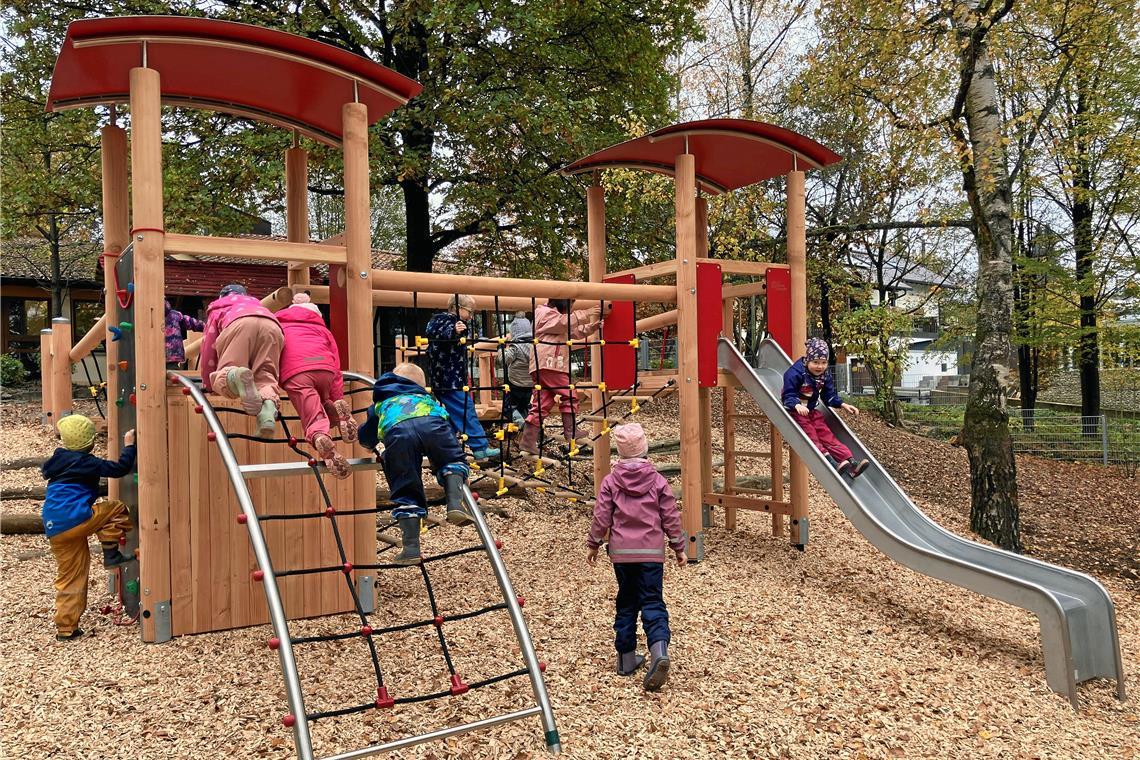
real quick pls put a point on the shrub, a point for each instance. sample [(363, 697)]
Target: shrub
[(12, 372)]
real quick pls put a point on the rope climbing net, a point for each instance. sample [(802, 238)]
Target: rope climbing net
[(362, 596)]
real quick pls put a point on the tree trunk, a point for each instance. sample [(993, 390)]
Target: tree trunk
[(1088, 351), (985, 432)]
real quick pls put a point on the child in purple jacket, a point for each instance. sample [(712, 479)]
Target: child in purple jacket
[(636, 507)]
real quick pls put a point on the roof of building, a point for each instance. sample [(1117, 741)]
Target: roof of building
[(250, 71), (728, 153)]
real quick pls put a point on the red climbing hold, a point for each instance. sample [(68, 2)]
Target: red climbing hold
[(242, 519), (437, 621), (383, 701), (288, 721), (365, 630), (274, 643), (133, 399), (457, 686), (258, 575)]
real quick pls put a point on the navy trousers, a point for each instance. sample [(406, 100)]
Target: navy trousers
[(405, 447), (639, 591), (461, 411)]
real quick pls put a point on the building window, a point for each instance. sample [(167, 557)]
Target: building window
[(84, 316)]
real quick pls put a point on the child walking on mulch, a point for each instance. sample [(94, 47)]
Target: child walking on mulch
[(310, 374), (241, 348), (805, 383), (636, 507), (72, 512), (412, 425)]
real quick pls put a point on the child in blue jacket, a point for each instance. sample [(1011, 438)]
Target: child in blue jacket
[(806, 383), (411, 425), (72, 512)]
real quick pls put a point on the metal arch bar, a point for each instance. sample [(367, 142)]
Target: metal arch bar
[(443, 733), (301, 735), (553, 743)]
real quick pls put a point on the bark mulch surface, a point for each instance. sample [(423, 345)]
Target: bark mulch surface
[(835, 652)]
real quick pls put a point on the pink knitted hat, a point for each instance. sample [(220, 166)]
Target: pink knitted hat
[(303, 300), (630, 440)]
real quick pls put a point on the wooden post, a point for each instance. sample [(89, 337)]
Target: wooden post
[(150, 355), (116, 236), (688, 391), (702, 222), (60, 369), (358, 286), (297, 206), (727, 414), (46, 417), (797, 255), (596, 243)]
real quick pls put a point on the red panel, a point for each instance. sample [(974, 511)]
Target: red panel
[(262, 73), (730, 153), (338, 311), (710, 320), (619, 359), (779, 305)]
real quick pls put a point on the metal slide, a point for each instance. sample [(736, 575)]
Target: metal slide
[(239, 474), (1078, 622)]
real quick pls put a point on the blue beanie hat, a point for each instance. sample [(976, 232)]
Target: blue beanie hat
[(816, 349)]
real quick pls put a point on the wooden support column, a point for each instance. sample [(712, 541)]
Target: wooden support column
[(46, 419), (297, 207), (704, 394), (60, 369), (150, 354), (688, 390), (596, 243), (116, 235), (728, 417), (358, 286), (797, 262)]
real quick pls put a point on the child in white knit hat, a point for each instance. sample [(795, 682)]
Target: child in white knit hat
[(310, 374)]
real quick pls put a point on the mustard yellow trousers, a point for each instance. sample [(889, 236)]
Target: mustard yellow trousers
[(110, 521)]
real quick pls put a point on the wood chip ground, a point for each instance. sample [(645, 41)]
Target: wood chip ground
[(836, 652)]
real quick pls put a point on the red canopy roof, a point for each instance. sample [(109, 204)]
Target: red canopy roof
[(729, 153), (250, 71)]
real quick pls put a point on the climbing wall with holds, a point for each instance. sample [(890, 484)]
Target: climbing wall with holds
[(121, 327)]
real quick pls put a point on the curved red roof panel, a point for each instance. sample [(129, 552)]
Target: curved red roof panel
[(729, 153), (250, 71)]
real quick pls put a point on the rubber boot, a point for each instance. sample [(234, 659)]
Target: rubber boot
[(333, 459), (346, 421), (658, 672), (628, 663), (575, 437), (240, 382), (528, 441), (77, 633), (410, 531), (855, 469), (112, 557), (266, 418), (457, 512)]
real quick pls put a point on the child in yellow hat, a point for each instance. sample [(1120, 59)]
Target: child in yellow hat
[(72, 512)]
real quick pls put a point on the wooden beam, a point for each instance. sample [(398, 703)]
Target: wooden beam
[(701, 210), (649, 271), (797, 262), (434, 282), (116, 236), (149, 341), (297, 207), (735, 501), (596, 243), (744, 290), (728, 418), (47, 416), (687, 388), (758, 268), (85, 345), (242, 248)]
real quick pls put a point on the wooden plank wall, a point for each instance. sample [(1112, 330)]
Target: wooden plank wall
[(211, 558)]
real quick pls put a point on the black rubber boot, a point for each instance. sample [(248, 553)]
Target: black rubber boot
[(112, 557), (628, 663), (658, 672), (457, 512), (410, 532)]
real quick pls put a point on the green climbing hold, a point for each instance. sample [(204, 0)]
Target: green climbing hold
[(125, 326), (136, 477), (118, 402), (133, 587)]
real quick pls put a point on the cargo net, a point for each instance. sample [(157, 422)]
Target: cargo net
[(559, 466), (364, 629)]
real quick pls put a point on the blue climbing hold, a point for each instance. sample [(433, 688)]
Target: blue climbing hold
[(116, 332)]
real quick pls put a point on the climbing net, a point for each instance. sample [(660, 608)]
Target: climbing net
[(506, 472), (363, 604)]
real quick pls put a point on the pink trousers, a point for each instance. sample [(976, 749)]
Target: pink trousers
[(309, 393), (559, 383), (820, 434), (253, 342)]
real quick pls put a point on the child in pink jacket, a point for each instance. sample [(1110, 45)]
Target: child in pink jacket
[(310, 374), (241, 347), (636, 507), (554, 324)]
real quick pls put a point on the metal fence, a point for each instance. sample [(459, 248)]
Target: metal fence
[(1062, 436)]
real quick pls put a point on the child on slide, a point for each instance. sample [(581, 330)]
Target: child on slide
[(807, 382), (241, 348), (310, 374)]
